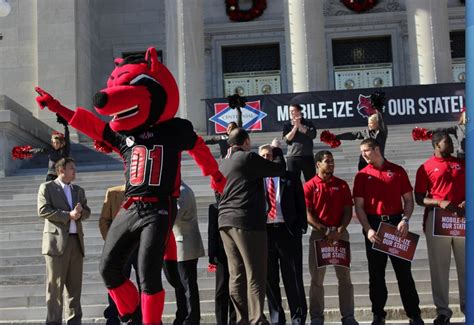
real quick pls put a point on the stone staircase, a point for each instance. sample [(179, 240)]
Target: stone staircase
[(22, 267)]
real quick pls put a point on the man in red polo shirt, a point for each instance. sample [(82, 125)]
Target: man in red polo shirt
[(440, 183), (329, 211), (379, 190)]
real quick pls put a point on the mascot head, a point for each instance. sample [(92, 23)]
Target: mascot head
[(140, 92)]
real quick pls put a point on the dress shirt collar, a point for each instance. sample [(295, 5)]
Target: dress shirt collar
[(63, 185)]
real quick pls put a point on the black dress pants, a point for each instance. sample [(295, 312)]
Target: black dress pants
[(285, 253), (189, 297), (303, 164), (225, 311), (377, 287)]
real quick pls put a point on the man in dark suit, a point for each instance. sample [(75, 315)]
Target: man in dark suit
[(286, 223), (189, 249), (63, 206)]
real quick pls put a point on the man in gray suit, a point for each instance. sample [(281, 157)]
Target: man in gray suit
[(63, 206), (189, 248)]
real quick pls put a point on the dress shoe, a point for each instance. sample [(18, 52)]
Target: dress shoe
[(417, 321), (441, 320), (378, 320), (349, 321), (113, 321), (317, 321)]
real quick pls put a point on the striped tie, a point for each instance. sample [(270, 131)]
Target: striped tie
[(271, 196)]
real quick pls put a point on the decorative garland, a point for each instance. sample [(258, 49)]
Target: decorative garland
[(235, 14), (359, 5)]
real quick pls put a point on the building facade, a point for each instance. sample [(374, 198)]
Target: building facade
[(67, 47)]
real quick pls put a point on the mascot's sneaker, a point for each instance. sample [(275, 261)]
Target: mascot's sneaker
[(134, 318)]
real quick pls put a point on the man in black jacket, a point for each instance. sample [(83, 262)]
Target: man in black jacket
[(242, 225), (286, 223), (299, 135)]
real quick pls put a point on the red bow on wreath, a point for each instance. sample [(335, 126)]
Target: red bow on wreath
[(330, 139), (235, 14), (421, 134), (359, 5), (21, 152)]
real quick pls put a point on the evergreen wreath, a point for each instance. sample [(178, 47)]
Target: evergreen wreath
[(235, 14)]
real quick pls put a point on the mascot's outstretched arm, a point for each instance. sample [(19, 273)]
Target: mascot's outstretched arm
[(208, 164), (81, 119)]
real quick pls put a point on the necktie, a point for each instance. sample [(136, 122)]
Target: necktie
[(67, 192), (271, 195)]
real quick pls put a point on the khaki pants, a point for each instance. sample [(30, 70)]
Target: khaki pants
[(439, 255), (316, 289), (246, 252), (64, 272)]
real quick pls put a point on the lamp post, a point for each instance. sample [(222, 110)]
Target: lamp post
[(5, 8)]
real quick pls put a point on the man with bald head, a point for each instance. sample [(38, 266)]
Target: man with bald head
[(242, 225)]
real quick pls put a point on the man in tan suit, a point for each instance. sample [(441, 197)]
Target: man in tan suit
[(63, 206), (113, 202)]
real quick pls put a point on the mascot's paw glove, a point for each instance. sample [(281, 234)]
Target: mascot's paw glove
[(218, 182), (22, 152), (421, 134), (330, 139), (46, 100)]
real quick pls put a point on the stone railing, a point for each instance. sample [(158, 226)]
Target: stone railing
[(18, 127)]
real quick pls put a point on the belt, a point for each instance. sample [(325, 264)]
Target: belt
[(148, 199), (384, 217), (275, 224), (74, 234)]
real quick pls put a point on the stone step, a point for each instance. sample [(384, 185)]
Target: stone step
[(207, 282), (16, 263), (207, 307), (93, 284), (33, 232), (24, 274), (23, 231), (94, 297)]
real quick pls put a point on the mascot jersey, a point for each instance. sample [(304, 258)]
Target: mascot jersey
[(149, 153)]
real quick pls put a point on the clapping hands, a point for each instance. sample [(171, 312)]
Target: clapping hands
[(76, 213)]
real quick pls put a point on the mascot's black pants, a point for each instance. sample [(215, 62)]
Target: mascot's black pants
[(146, 225)]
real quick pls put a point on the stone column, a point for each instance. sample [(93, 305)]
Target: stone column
[(57, 55), (185, 57), (428, 37), (306, 45)]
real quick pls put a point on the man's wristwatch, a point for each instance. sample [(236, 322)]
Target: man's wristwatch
[(406, 220), (329, 230)]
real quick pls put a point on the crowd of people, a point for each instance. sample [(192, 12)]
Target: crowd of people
[(256, 229)]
